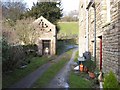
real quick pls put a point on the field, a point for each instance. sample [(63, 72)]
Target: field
[(68, 28)]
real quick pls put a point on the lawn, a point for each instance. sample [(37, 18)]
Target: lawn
[(12, 77), (52, 71), (68, 27)]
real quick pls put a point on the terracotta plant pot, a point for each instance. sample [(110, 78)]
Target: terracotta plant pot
[(91, 75), (81, 67)]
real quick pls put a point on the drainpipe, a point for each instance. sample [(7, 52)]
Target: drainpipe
[(94, 33), (92, 3), (80, 58), (87, 31)]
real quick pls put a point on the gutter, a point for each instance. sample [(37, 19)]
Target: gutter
[(90, 4)]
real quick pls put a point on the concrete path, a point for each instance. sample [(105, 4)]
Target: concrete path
[(28, 81), (61, 79)]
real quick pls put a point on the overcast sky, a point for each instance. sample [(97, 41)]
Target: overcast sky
[(67, 5)]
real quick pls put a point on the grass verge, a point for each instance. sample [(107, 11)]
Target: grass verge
[(12, 77), (77, 81), (76, 57), (81, 79), (52, 71)]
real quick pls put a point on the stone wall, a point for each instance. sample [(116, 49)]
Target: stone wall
[(110, 33), (46, 31), (110, 50)]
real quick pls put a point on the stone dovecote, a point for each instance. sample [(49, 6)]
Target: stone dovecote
[(46, 36)]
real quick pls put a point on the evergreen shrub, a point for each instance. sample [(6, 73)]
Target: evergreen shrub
[(110, 81)]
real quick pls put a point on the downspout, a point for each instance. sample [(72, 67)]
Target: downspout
[(94, 33), (80, 58), (92, 3), (87, 31), (87, 28)]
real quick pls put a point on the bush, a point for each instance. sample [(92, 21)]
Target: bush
[(110, 81), (12, 57), (30, 49), (16, 56)]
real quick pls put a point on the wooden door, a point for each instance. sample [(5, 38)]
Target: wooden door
[(100, 53)]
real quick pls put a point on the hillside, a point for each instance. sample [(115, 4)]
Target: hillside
[(68, 32), (68, 28)]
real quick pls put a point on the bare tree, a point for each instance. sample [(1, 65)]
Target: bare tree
[(13, 9), (8, 33), (24, 30)]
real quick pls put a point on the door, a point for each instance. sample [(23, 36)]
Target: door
[(46, 47), (100, 52)]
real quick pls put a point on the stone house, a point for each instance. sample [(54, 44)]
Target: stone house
[(99, 33), (46, 36)]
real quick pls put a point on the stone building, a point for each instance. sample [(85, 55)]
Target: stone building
[(99, 33), (46, 36)]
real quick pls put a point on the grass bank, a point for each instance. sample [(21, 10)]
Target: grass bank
[(69, 27), (52, 71), (68, 31), (12, 77)]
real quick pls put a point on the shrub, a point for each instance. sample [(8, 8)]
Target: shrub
[(30, 49), (110, 81), (12, 57), (15, 56)]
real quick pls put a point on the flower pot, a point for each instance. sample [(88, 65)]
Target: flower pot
[(81, 68), (91, 75)]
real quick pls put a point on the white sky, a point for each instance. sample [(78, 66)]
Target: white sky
[(67, 5), (30, 2)]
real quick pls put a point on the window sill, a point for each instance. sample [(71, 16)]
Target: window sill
[(106, 24)]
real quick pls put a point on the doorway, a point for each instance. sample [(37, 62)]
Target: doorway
[(46, 47), (100, 52)]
